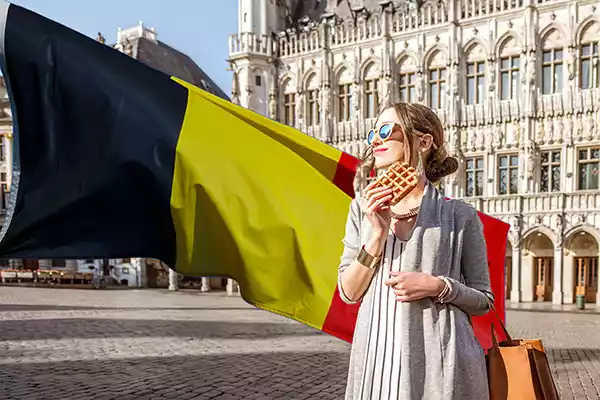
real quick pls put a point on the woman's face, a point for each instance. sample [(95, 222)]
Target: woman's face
[(388, 152)]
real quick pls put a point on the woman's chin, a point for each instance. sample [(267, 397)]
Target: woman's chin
[(383, 163)]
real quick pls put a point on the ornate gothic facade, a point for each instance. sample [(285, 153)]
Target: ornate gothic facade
[(515, 82)]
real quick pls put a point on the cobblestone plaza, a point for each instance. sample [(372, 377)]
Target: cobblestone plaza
[(152, 344)]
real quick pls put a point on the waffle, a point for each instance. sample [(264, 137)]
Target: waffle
[(401, 178)]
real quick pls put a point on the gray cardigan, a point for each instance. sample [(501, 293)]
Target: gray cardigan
[(441, 358)]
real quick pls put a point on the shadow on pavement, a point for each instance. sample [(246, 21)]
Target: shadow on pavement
[(49, 307), (232, 376), (88, 328)]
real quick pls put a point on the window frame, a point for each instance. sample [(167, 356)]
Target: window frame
[(549, 165), (475, 76), (475, 170), (588, 160), (289, 109), (513, 76), (557, 85), (509, 168)]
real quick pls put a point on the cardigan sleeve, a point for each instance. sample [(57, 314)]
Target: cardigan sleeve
[(473, 296), (351, 246)]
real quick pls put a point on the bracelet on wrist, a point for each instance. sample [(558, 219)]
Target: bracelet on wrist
[(366, 259), (446, 292)]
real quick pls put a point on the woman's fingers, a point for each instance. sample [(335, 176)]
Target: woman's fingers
[(376, 204), (370, 192)]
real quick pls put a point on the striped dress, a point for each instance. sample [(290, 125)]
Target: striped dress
[(381, 375)]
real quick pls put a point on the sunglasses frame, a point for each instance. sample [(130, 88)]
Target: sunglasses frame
[(378, 132)]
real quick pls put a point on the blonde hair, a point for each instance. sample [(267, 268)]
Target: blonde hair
[(415, 120)]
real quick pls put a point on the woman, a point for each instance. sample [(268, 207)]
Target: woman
[(420, 270)]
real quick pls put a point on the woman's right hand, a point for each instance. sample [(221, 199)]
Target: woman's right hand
[(377, 210)]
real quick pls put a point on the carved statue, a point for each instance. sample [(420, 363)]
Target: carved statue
[(517, 132), (491, 84), (530, 160), (273, 105), (589, 126), (480, 137), (419, 86), (559, 130), (571, 61), (541, 129), (569, 131), (472, 138), (499, 136), (531, 74), (356, 96), (550, 130), (325, 96), (579, 128), (386, 85), (515, 223)]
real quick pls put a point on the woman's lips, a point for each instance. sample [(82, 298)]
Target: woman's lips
[(379, 150)]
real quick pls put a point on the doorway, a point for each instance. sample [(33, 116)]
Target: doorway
[(543, 278)]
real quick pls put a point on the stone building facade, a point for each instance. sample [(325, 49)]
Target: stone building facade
[(516, 84)]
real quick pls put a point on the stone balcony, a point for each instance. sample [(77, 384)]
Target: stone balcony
[(504, 206)]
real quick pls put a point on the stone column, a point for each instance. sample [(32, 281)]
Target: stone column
[(205, 284), (569, 281), (173, 281), (139, 264), (527, 294), (232, 287), (515, 275), (557, 291)]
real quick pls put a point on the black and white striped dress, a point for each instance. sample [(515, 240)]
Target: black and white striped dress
[(381, 375)]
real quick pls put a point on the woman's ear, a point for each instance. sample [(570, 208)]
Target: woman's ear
[(425, 143)]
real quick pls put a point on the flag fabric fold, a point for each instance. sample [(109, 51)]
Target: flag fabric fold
[(114, 159)]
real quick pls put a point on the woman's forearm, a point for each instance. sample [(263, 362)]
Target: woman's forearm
[(356, 278)]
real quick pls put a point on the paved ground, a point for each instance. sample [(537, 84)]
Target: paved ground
[(86, 344)]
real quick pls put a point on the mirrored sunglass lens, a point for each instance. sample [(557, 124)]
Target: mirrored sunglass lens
[(385, 131), (370, 136)]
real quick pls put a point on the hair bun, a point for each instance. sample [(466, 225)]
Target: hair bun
[(436, 171)]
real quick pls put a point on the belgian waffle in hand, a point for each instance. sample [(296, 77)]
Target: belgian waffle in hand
[(401, 178)]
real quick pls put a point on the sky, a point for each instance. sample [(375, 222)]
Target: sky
[(198, 28)]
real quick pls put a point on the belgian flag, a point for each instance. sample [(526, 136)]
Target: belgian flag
[(114, 159)]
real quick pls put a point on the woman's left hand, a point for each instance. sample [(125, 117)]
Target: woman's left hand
[(412, 286)]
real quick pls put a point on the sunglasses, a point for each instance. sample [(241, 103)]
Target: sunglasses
[(384, 132)]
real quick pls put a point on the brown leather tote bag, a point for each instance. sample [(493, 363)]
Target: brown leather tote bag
[(518, 369)]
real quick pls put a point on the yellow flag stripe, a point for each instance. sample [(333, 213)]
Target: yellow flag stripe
[(265, 191)]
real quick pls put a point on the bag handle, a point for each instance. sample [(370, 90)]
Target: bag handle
[(508, 337)]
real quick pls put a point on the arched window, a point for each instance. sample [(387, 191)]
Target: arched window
[(371, 79), (344, 95), (436, 79), (476, 69), (510, 64), (589, 73), (552, 62), (312, 104), (289, 103), (407, 79)]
